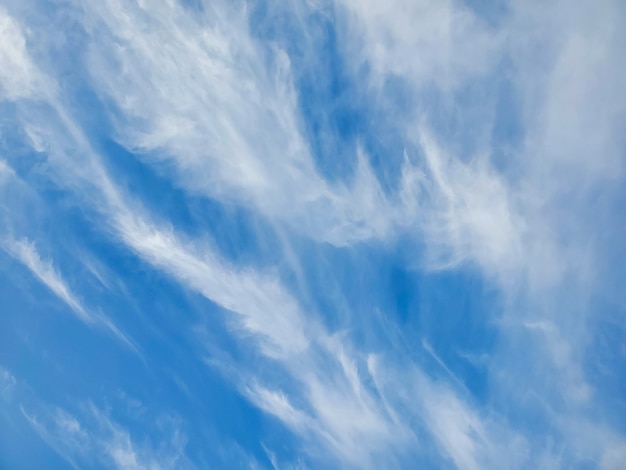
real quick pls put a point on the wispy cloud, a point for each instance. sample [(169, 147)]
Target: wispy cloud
[(434, 44), (230, 127), (94, 438), (26, 252), (215, 108), (18, 75), (7, 381), (342, 413)]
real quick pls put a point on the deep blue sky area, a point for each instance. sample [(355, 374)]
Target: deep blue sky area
[(351, 234)]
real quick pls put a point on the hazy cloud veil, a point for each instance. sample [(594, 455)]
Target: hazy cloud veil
[(312, 234)]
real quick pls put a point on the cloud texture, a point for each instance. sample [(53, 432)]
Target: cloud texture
[(324, 234)]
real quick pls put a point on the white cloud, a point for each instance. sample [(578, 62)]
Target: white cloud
[(466, 435), (470, 213), (95, 437), (18, 75), (5, 171), (26, 252), (437, 44), (614, 457), (7, 382), (265, 309), (277, 404), (341, 415), (221, 110), (337, 413), (533, 229)]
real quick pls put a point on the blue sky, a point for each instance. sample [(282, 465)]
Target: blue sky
[(285, 234)]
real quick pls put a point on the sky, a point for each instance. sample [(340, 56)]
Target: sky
[(312, 234)]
